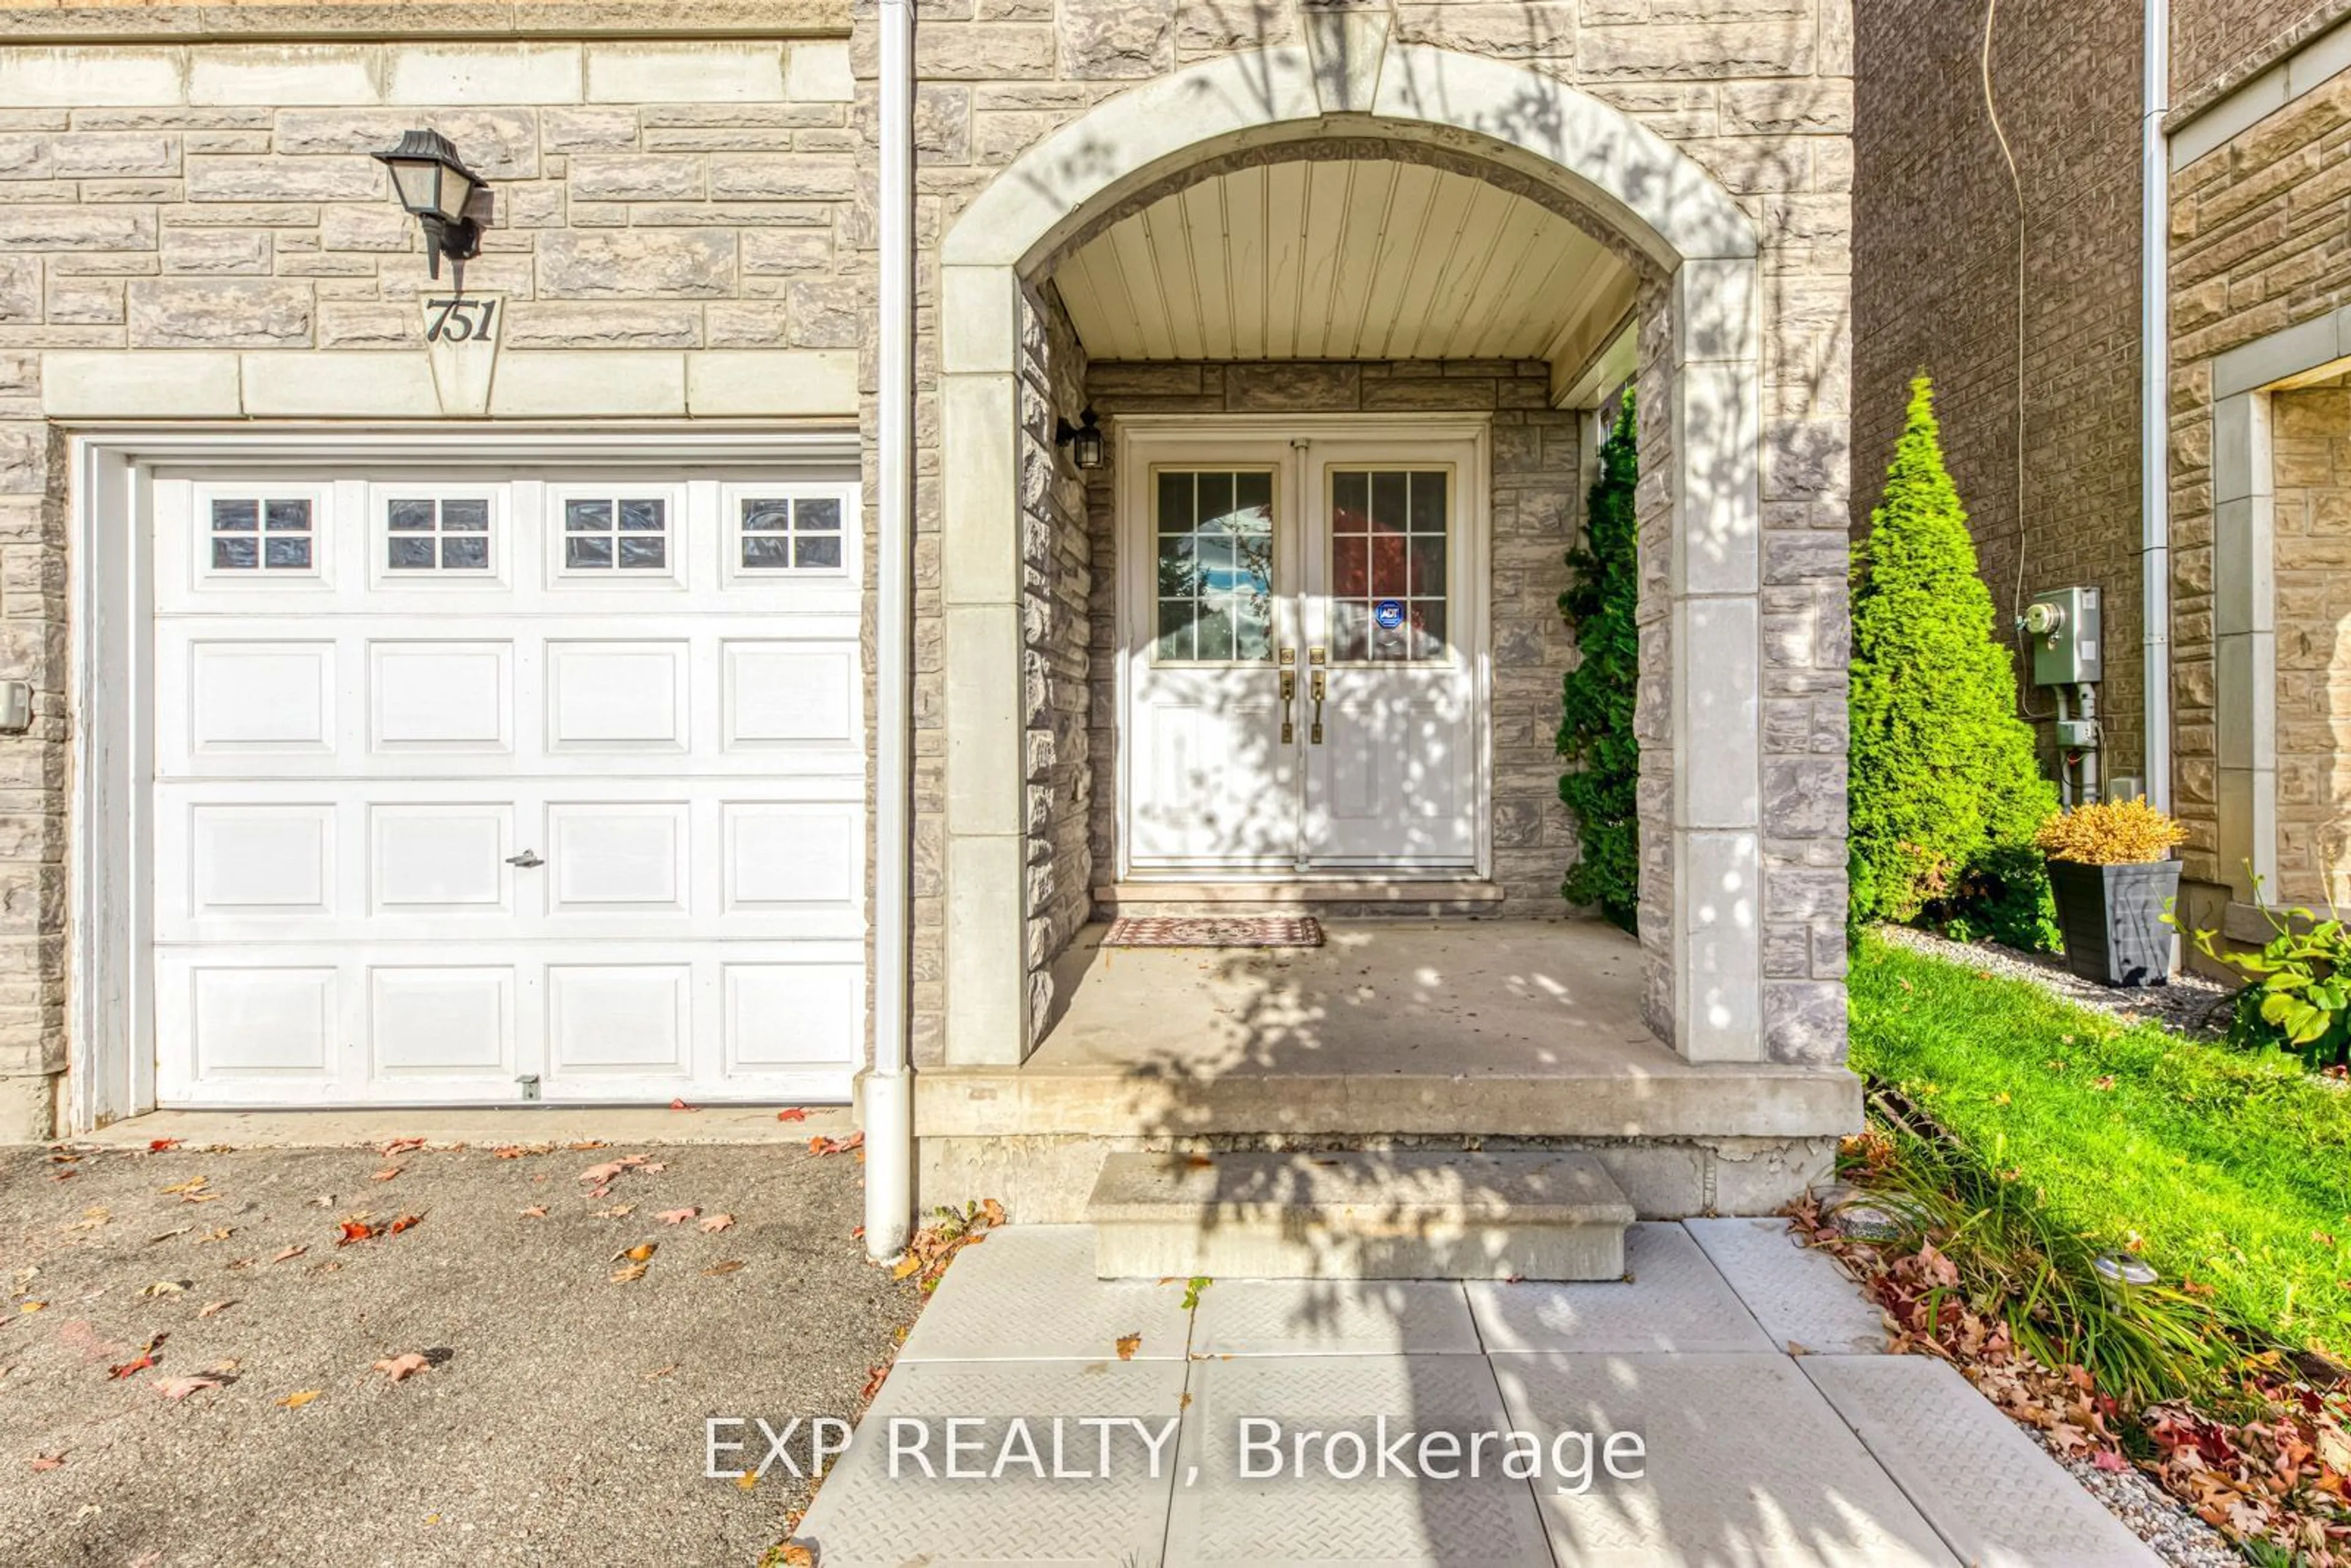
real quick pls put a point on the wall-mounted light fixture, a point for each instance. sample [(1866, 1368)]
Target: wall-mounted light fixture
[(1084, 439), (435, 186)]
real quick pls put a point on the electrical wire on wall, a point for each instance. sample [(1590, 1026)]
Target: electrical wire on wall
[(2016, 182)]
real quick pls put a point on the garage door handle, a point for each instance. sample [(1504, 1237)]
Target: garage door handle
[(527, 860)]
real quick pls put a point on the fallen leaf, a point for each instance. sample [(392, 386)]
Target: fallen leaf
[(730, 1266), (790, 1555), (176, 1388), (618, 1211), (49, 1461), (223, 1233), (161, 1146), (682, 1105), (536, 1211), (140, 1362), (401, 1146), (634, 1271), (581, 1148), (406, 1222), (289, 1252), (166, 1236), (92, 1218), (181, 1189), (31, 1306), (907, 1265), (714, 1223), (386, 1174), (300, 1397), (165, 1288), (357, 1230), (213, 1309), (873, 1379), (641, 1253), (791, 1114), (1128, 1343), (820, 1144), (401, 1367), (747, 1481)]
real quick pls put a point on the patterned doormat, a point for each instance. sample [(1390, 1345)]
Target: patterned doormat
[(1214, 931)]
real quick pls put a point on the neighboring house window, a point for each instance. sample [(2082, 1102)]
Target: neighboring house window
[(617, 534), (250, 534), (798, 534), (427, 535)]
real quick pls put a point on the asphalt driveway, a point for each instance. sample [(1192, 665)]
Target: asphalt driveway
[(558, 1413)]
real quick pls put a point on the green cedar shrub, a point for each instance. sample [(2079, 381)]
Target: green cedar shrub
[(1596, 734), (1946, 791)]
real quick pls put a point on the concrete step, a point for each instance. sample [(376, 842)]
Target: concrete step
[(1368, 1214)]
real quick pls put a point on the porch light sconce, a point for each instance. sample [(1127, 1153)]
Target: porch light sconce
[(1084, 439), (435, 186)]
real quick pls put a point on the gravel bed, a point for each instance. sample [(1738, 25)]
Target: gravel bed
[(2190, 1004), (2149, 1512)]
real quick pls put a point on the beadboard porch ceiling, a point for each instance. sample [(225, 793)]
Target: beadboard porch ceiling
[(1346, 260)]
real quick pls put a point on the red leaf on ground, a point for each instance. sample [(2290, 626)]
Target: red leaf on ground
[(715, 1223), (400, 1146), (536, 1211), (793, 1113), (820, 1144), (676, 1216), (401, 1367), (405, 1222), (178, 1388), (873, 1382), (161, 1145), (682, 1105), (49, 1461), (386, 1174), (357, 1230)]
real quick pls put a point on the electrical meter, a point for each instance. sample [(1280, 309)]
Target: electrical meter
[(2061, 626)]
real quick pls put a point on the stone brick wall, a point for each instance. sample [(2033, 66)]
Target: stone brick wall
[(1536, 510), (2255, 230), (1058, 577), (2311, 433), (1935, 290), (680, 196)]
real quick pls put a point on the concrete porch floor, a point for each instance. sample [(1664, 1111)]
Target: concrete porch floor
[(1450, 1033)]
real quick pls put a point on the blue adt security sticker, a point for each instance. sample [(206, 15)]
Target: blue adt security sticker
[(1389, 614)]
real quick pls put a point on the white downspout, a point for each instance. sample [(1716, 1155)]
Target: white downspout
[(2154, 404), (889, 1088)]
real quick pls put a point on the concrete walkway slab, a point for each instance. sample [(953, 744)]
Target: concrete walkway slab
[(1675, 1301), (1313, 1510), (864, 1517), (1800, 1296), (1029, 1293), (1988, 1489), (1745, 1463), (1333, 1317)]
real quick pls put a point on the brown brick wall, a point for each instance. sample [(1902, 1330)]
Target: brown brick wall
[(1936, 289), (2257, 229), (2214, 41)]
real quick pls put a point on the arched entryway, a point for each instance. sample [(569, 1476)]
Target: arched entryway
[(1660, 232)]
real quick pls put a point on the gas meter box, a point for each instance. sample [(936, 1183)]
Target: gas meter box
[(2063, 628)]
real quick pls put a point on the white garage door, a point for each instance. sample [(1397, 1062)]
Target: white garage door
[(546, 781)]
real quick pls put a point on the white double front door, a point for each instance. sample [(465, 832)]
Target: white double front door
[(1303, 660), (474, 784)]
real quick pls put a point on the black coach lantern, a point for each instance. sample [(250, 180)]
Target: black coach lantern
[(1084, 439), (434, 186)]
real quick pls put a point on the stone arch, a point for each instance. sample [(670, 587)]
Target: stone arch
[(1697, 250)]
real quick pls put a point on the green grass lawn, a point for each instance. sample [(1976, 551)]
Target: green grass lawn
[(2235, 1168)]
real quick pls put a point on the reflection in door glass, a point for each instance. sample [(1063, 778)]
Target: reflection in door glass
[(1388, 564), (1215, 534)]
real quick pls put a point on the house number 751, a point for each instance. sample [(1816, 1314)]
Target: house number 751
[(459, 319)]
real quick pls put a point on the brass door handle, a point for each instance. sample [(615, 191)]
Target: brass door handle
[(1289, 695), (1315, 731)]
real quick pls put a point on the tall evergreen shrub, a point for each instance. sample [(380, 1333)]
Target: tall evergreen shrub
[(1596, 734), (1945, 792)]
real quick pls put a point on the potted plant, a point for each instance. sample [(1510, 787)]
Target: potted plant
[(2111, 869)]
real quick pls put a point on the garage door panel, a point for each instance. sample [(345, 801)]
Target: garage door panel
[(441, 1022), (426, 831), (618, 697)]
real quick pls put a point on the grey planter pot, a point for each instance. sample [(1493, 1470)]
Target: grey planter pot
[(2112, 918)]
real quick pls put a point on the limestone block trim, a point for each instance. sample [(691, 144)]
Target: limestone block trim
[(2244, 587), (585, 383), (1658, 205), (423, 20), (2299, 62)]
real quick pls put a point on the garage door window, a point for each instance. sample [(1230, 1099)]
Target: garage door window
[(791, 534), (255, 534), (426, 534), (624, 533)]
